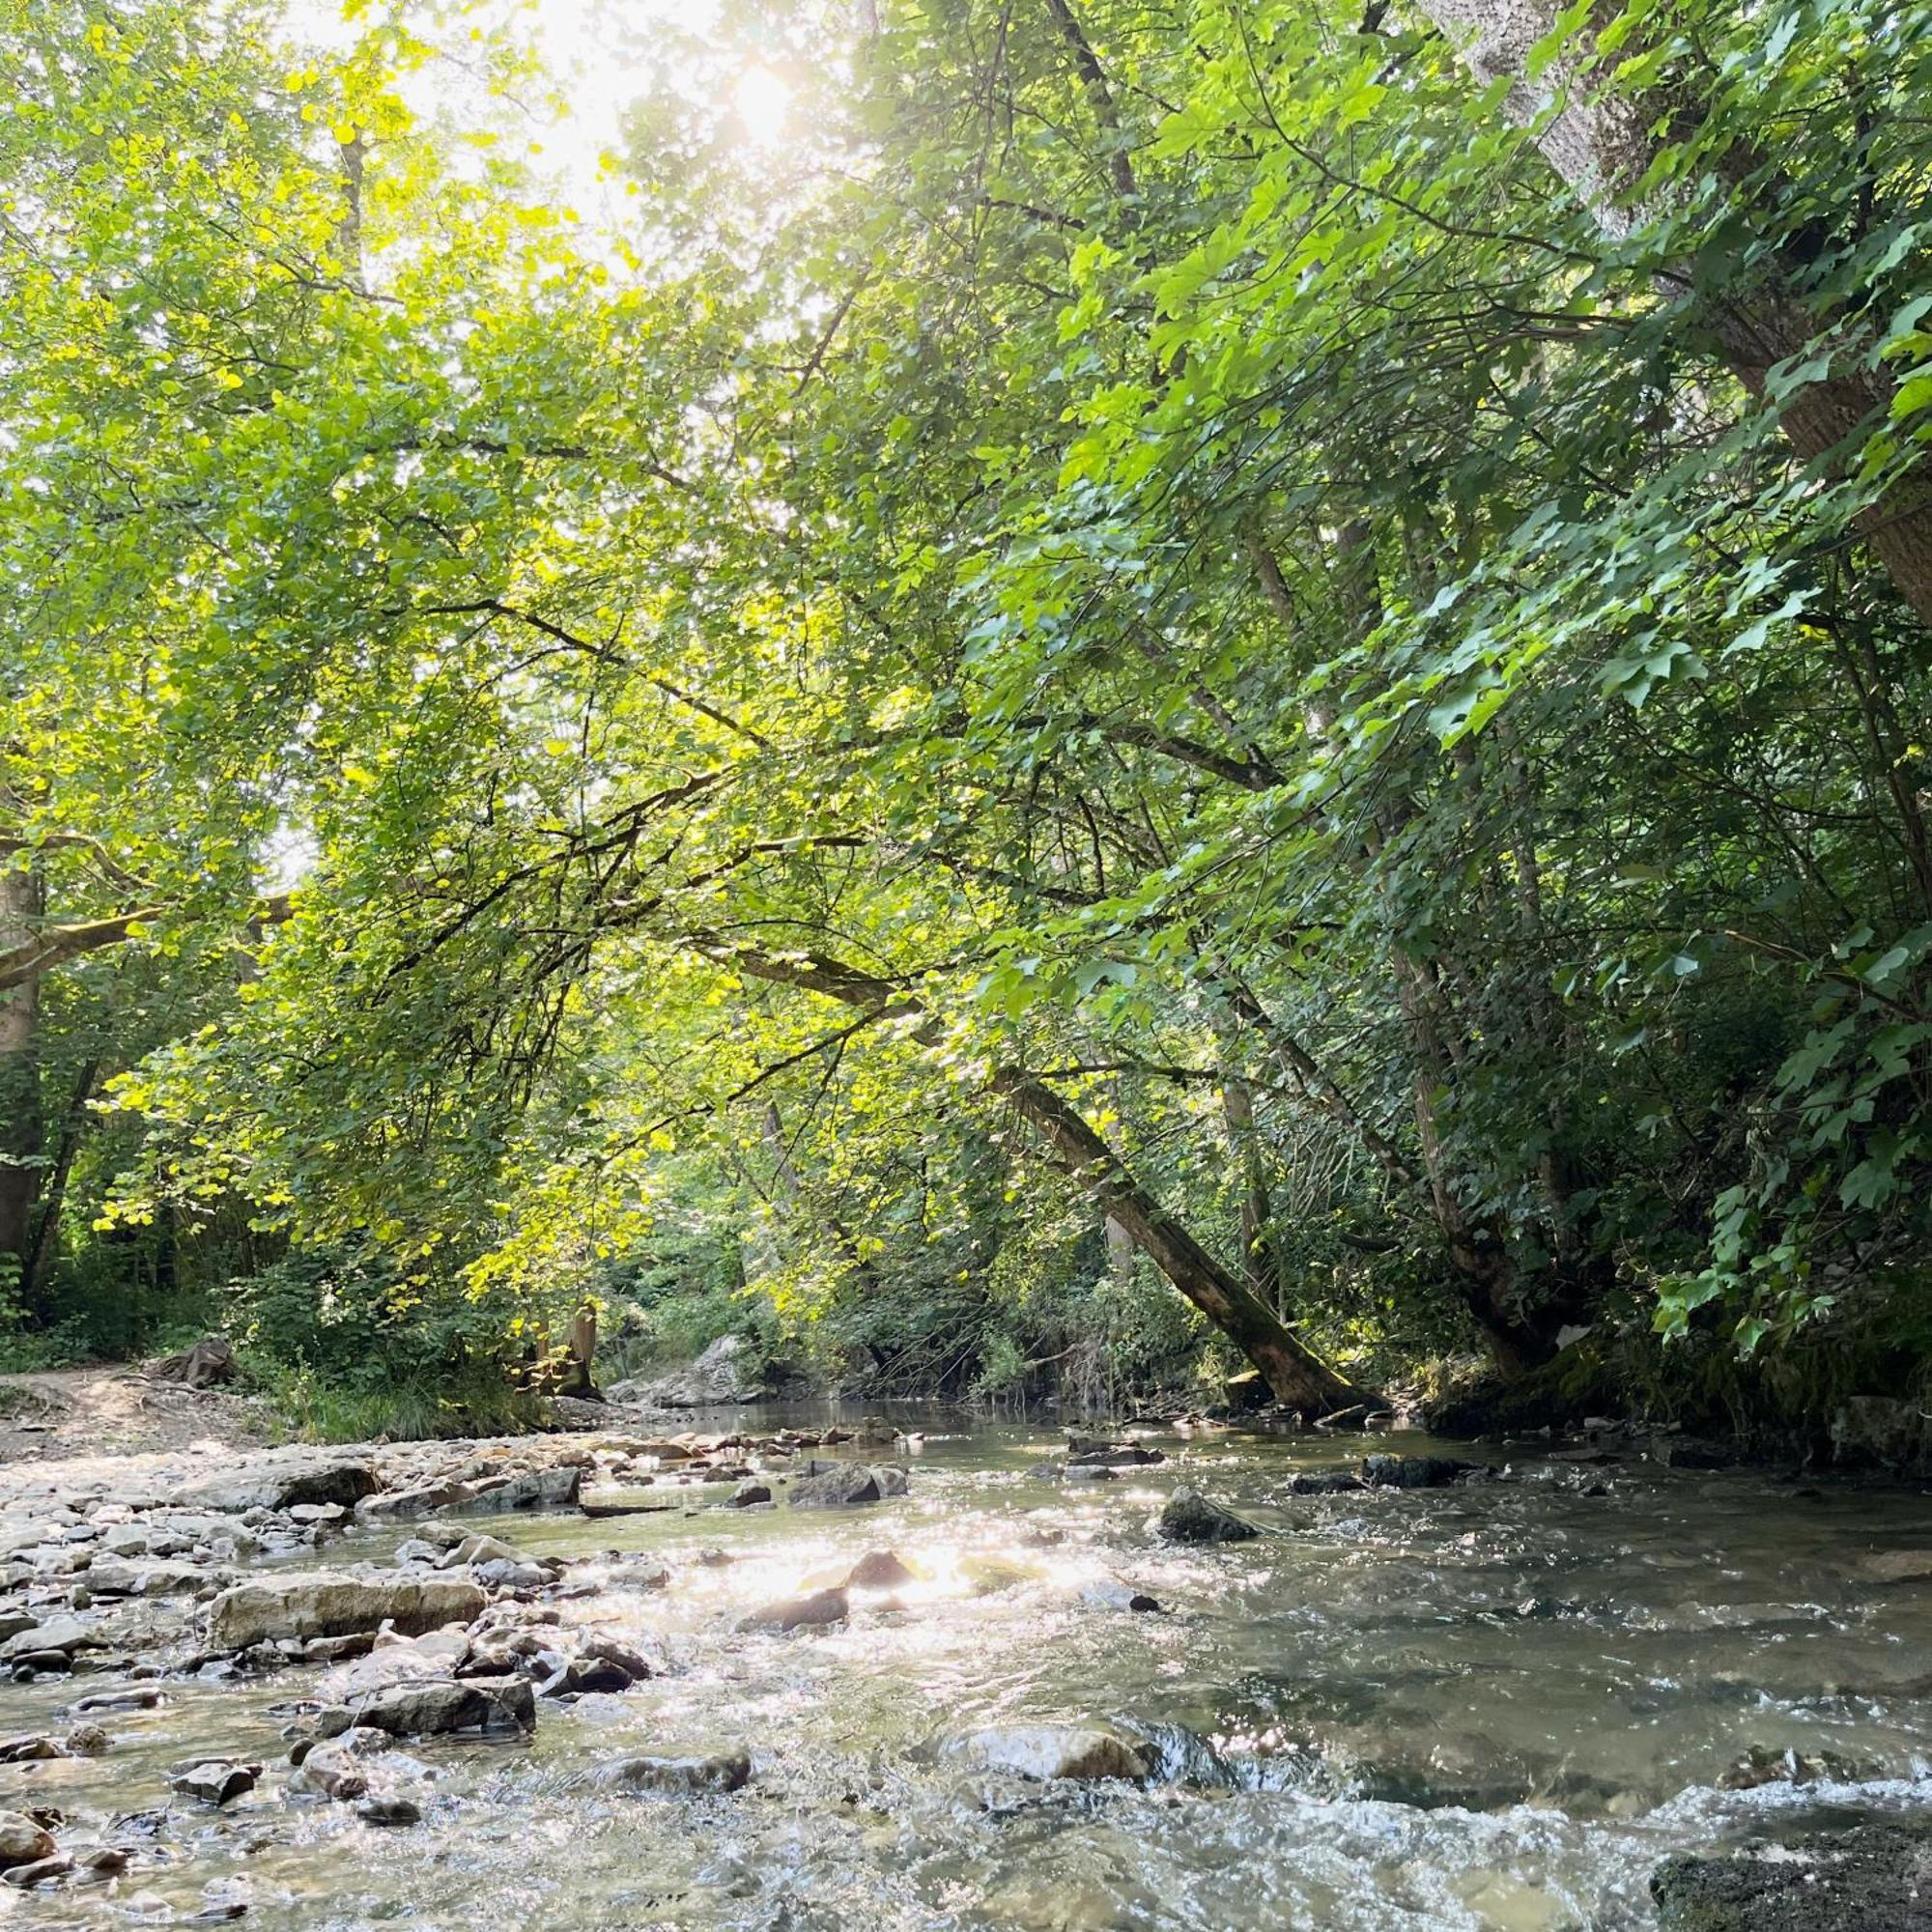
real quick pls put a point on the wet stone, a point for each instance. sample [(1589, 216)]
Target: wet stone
[(1875, 1878), (22, 1841), (214, 1780), (878, 1570), (1048, 1751), (718, 1772), (821, 1608), (1413, 1472), (1190, 1517)]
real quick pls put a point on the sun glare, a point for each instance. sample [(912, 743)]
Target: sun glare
[(764, 100)]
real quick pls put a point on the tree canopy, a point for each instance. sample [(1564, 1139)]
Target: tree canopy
[(1293, 634)]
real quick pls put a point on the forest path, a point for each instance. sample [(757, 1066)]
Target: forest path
[(111, 1408)]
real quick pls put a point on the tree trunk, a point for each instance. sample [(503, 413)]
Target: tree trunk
[(20, 1151), (1297, 1376), (1602, 143), (578, 1377), (1257, 1247), (47, 1228)]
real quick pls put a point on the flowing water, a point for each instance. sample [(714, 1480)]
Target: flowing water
[(1491, 1706)]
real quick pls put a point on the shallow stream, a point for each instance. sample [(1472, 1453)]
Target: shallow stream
[(1492, 1706)]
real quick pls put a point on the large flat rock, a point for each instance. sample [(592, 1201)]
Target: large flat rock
[(325, 1603)]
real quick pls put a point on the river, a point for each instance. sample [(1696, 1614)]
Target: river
[(1493, 1706)]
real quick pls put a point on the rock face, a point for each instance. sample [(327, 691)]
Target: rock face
[(1879, 1432), (1190, 1517), (1052, 1750), (721, 1771), (728, 1371), (1875, 1878), (325, 1603)]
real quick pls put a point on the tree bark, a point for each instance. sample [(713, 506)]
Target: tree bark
[(1297, 1374), (1602, 143)]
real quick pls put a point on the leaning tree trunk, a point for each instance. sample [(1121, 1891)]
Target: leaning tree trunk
[(21, 907), (1602, 143), (1297, 1374)]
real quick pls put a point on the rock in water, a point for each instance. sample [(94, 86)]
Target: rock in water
[(214, 1780), (533, 1489), (878, 1570), (390, 1811), (22, 1842), (1412, 1472), (437, 1709), (823, 1606), (323, 1603), (843, 1486), (721, 1771), (1052, 1750), (1894, 1566), (1190, 1517), (1874, 1877)]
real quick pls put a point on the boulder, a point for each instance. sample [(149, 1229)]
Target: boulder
[(388, 1810), (846, 1485), (38, 1871), (747, 1494), (531, 1490), (1111, 1455), (334, 1766), (279, 1482), (719, 1771), (1879, 1432), (57, 1634), (436, 1708), (731, 1370), (391, 1664), (31, 1748), (115, 1576), (1894, 1566), (823, 1606), (323, 1603), (1190, 1517), (1044, 1751), (1412, 1472), (22, 1842), (1872, 1878), (1323, 1482), (214, 1780), (878, 1570)]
